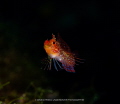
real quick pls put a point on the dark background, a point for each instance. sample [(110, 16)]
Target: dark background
[(90, 27)]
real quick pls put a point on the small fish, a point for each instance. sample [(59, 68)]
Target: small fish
[(59, 52)]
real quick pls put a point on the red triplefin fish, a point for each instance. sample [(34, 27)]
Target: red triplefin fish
[(60, 52)]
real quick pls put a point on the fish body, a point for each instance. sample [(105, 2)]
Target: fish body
[(58, 50)]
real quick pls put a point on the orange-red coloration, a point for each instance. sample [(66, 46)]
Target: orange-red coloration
[(57, 49)]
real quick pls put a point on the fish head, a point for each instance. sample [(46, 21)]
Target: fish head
[(51, 47)]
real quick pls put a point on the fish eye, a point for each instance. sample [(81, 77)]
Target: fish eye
[(53, 42)]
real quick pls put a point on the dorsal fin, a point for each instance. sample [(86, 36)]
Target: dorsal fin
[(63, 44)]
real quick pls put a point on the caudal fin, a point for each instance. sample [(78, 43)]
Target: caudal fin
[(68, 68)]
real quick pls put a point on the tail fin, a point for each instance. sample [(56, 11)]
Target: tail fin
[(68, 68)]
